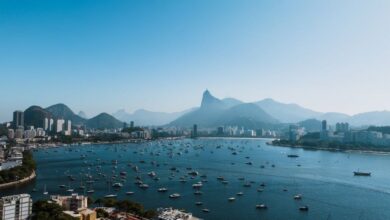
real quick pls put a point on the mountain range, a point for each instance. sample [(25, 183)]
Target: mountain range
[(35, 115), (212, 112), (144, 117)]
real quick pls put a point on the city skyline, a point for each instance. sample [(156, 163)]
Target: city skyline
[(162, 56)]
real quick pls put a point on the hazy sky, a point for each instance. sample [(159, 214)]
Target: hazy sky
[(161, 55)]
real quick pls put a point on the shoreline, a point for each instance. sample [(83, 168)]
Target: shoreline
[(19, 182), (346, 150)]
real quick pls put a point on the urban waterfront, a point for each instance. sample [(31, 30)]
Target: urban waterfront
[(324, 179)]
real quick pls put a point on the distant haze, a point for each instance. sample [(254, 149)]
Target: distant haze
[(102, 56)]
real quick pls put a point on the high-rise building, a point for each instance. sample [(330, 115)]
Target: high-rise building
[(59, 125), (132, 124), (18, 119), (324, 130), (195, 131), (46, 124), (68, 127), (51, 123), (16, 207)]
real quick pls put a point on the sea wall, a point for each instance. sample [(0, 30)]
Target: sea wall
[(19, 182)]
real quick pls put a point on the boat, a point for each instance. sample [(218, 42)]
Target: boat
[(206, 210), (129, 193), (117, 185), (45, 192), (292, 155), (199, 203), (232, 199), (304, 208), (144, 186), (298, 197), (198, 193), (197, 185), (91, 191), (261, 206), (174, 196), (240, 193), (162, 189), (359, 173), (110, 196)]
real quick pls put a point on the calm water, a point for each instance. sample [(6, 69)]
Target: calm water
[(324, 179)]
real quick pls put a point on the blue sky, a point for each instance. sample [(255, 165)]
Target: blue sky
[(162, 54)]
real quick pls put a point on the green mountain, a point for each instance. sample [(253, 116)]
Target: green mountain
[(103, 121), (62, 111), (35, 116)]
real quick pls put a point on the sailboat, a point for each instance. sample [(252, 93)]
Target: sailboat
[(45, 192), (109, 189)]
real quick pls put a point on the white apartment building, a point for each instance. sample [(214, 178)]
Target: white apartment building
[(16, 207)]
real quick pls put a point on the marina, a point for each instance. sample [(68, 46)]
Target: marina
[(204, 177)]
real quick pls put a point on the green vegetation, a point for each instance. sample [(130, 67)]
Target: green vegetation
[(130, 130), (19, 172), (384, 129), (127, 206), (105, 138), (49, 211), (100, 213), (3, 130)]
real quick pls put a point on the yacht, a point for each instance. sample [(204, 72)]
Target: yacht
[(45, 191), (304, 208), (198, 193), (117, 185), (110, 196), (162, 189), (232, 199), (144, 186), (298, 197), (129, 193), (359, 173), (174, 196), (240, 193), (261, 206)]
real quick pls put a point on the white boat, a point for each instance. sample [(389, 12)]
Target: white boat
[(118, 185), (231, 199), (174, 196), (110, 196), (298, 197), (45, 192), (261, 206), (197, 185), (144, 186), (162, 189)]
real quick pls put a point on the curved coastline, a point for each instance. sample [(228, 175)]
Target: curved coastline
[(19, 182)]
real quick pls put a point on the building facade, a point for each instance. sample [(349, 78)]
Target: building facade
[(16, 207)]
